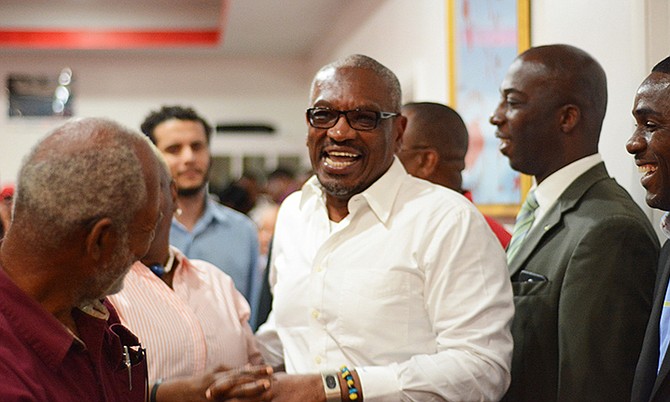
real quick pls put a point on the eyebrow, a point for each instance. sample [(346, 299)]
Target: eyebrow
[(645, 111), (508, 91)]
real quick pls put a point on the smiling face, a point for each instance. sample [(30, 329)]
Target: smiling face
[(650, 143), (527, 119), (347, 161)]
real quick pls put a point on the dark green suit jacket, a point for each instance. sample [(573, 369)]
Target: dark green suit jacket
[(578, 334)]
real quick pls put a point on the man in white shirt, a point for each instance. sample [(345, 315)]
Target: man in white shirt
[(397, 279), (583, 274)]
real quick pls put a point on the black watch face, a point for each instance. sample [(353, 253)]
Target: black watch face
[(331, 381)]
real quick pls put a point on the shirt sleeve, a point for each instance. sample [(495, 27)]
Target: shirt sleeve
[(269, 344), (468, 297)]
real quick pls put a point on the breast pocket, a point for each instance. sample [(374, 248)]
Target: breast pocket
[(376, 306)]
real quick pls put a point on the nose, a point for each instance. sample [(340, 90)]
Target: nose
[(496, 117), (187, 154), (341, 131), (636, 143)]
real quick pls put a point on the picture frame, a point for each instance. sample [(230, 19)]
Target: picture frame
[(484, 38)]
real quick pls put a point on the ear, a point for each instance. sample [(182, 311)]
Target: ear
[(401, 124), (570, 116), (100, 238), (429, 161)]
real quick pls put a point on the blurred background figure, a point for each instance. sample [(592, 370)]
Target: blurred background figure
[(6, 199), (281, 182), (433, 148), (266, 219), (237, 197)]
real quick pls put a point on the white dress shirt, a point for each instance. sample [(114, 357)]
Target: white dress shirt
[(410, 289)]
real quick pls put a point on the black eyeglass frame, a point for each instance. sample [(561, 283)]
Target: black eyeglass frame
[(379, 116)]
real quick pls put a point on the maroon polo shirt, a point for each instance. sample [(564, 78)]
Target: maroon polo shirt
[(40, 360)]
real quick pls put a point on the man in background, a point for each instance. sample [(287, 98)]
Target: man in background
[(86, 208), (583, 254), (6, 196), (433, 148), (651, 148), (202, 228)]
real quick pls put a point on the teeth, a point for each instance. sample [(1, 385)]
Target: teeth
[(337, 164), (647, 169), (342, 154)]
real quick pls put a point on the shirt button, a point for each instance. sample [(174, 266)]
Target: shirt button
[(317, 360), (316, 314), (319, 268)]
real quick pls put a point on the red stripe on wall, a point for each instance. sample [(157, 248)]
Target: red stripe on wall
[(97, 39)]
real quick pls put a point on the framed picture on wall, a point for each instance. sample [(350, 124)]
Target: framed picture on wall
[(40, 95), (484, 38)]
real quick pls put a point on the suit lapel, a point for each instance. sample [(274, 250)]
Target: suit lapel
[(565, 203)]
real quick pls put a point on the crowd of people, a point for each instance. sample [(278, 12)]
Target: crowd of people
[(376, 279)]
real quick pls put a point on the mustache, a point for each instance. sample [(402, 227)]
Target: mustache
[(336, 145)]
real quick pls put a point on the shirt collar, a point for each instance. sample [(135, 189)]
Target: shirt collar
[(665, 224), (50, 339), (95, 309), (380, 196), (554, 185), (213, 212)]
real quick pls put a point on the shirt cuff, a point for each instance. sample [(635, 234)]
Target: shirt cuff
[(379, 384)]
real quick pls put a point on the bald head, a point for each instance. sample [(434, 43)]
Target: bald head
[(434, 143), (575, 77), (663, 66)]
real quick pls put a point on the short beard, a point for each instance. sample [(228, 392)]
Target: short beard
[(193, 191), (189, 192), (336, 190)]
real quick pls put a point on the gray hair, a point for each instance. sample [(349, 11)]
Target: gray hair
[(368, 63), (84, 170)]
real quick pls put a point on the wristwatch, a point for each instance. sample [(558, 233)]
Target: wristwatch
[(331, 385)]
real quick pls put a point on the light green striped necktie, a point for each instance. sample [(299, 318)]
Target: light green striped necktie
[(524, 220)]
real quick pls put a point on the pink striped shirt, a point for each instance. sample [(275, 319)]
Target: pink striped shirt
[(196, 327)]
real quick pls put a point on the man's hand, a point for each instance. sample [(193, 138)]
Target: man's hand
[(244, 384), (249, 384)]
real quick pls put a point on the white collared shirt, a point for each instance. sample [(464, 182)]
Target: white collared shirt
[(411, 289), (554, 185)]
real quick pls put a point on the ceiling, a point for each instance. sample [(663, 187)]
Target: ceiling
[(268, 28)]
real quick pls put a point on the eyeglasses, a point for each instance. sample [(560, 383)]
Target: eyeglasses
[(364, 120)]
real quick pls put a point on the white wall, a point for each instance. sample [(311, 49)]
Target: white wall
[(407, 36), (612, 31), (127, 86)]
